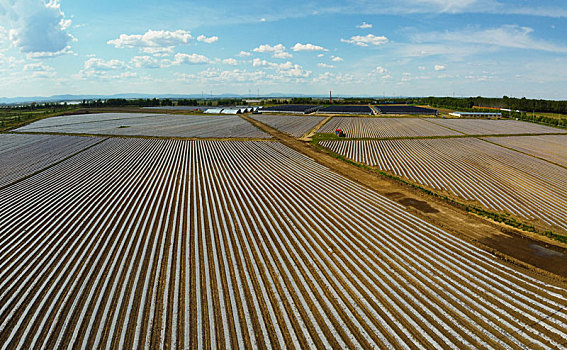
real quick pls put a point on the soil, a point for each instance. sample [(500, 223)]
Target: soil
[(510, 244)]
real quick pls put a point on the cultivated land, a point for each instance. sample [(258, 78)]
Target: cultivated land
[(294, 125), (498, 178), (495, 127), (23, 155), (156, 125), (549, 147), (385, 127), (133, 243)]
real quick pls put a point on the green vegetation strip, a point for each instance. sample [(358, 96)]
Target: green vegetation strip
[(498, 217), (15, 118)]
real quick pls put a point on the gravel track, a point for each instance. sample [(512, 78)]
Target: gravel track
[(293, 125)]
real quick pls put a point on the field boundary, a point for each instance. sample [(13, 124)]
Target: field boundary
[(52, 165), (146, 136), (478, 229)]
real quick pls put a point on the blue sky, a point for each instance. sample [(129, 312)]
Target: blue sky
[(358, 47)]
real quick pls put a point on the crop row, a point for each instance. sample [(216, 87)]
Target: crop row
[(290, 124), (385, 127), (168, 244), (549, 147), (23, 155), (498, 178), (161, 125), (494, 127)]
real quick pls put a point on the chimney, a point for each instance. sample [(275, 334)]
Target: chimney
[(330, 96)]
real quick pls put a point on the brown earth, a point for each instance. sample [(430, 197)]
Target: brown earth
[(531, 251)]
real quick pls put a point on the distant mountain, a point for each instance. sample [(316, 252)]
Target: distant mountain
[(67, 98)]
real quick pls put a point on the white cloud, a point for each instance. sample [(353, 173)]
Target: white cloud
[(364, 25), (183, 58), (510, 36), (100, 64), (266, 48), (153, 41), (421, 68), (282, 55), (324, 65), (287, 69), (230, 61), (40, 70), (36, 26), (308, 47), (439, 67), (37, 67), (367, 40), (262, 20), (320, 55), (46, 54), (380, 70), (145, 62), (209, 40), (244, 54), (337, 59), (277, 51)]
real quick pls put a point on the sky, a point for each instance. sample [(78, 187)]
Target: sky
[(354, 48)]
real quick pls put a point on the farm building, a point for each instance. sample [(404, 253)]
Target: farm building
[(404, 109), (214, 111), (476, 114), (365, 110), (295, 109)]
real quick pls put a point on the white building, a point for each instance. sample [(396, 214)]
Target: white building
[(476, 114)]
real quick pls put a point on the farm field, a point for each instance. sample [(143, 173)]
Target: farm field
[(385, 127), (23, 155), (496, 177), (232, 244), (494, 127), (549, 147), (290, 124), (159, 125)]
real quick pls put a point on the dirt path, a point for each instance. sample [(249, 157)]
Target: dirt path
[(309, 135), (533, 252)]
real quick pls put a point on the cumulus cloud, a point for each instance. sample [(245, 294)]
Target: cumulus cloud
[(40, 70), (287, 69), (36, 26), (308, 47), (208, 40), (267, 48), (439, 67), (145, 62), (183, 58), (364, 25), (367, 40), (277, 51), (380, 70), (325, 65), (100, 64), (244, 54), (153, 41), (230, 61), (337, 59), (283, 55)]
